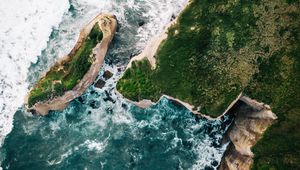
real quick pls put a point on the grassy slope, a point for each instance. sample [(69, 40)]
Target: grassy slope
[(63, 77), (223, 48), (278, 84), (200, 61)]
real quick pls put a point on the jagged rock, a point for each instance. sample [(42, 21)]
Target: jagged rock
[(124, 106), (141, 23), (214, 163), (173, 17), (81, 100), (95, 104), (108, 97), (107, 75), (251, 120), (119, 69), (100, 84)]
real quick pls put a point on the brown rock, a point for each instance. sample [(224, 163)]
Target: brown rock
[(107, 75), (251, 120), (100, 84)]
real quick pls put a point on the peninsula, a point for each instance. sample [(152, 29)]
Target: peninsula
[(215, 56), (74, 73)]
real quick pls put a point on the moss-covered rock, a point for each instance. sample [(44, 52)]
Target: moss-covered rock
[(63, 76)]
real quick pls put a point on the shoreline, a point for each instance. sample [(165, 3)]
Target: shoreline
[(149, 53), (108, 25), (250, 130), (145, 103), (252, 118), (153, 46)]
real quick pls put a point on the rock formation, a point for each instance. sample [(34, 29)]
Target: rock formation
[(107, 24), (250, 122)]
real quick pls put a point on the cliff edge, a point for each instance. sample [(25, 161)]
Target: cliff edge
[(251, 119), (216, 51)]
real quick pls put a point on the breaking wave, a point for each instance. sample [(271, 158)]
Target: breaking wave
[(99, 129), (24, 32)]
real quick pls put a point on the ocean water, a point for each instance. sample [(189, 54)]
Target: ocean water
[(100, 130)]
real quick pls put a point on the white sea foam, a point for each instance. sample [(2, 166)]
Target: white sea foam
[(158, 14), (207, 153), (25, 27), (93, 145)]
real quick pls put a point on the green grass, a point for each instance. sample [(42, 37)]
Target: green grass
[(63, 77), (198, 63), (278, 84), (226, 47)]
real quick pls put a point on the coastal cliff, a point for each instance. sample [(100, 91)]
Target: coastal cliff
[(107, 24), (215, 54), (251, 119)]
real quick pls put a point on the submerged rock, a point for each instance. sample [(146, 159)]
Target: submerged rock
[(108, 97), (81, 100), (94, 104), (141, 23)]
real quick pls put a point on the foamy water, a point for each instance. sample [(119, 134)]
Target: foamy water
[(25, 27), (113, 130)]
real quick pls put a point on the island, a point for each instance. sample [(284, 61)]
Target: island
[(230, 57), (73, 74)]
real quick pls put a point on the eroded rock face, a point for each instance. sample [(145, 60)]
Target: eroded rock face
[(251, 120)]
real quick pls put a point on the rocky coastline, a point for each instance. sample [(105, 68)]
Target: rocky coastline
[(108, 25), (251, 118)]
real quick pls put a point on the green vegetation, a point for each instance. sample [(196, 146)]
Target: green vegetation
[(65, 75), (221, 48), (200, 62), (278, 84)]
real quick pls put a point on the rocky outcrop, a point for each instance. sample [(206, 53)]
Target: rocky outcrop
[(107, 24), (251, 120)]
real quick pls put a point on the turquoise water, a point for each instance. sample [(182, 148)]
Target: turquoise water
[(165, 136), (101, 130)]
